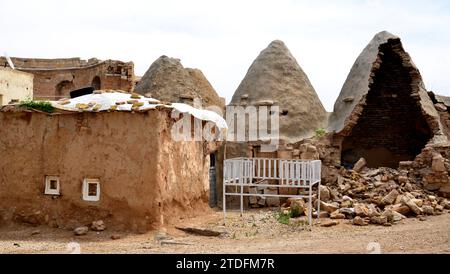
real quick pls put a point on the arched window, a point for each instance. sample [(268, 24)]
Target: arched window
[(63, 89)]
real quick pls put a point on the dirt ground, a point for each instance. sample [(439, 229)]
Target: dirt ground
[(258, 231)]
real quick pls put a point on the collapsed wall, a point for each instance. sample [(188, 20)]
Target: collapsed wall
[(145, 178), (383, 112)]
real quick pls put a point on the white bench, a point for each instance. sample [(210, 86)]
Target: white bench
[(254, 172)]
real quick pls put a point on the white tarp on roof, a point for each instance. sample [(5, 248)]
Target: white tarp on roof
[(126, 102)]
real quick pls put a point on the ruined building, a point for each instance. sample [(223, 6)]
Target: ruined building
[(167, 80), (56, 78), (383, 112)]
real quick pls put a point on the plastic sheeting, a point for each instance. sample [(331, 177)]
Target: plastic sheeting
[(127, 102)]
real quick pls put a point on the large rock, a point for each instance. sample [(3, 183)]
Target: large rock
[(428, 210), (410, 203), (361, 210), (324, 193), (390, 197), (379, 220), (401, 208), (393, 216), (275, 75), (329, 223), (328, 207), (359, 165), (359, 221), (337, 215)]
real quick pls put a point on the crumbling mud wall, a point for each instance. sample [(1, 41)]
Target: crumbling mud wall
[(56, 78), (146, 179)]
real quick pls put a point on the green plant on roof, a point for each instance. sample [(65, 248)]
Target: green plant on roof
[(38, 105), (320, 132)]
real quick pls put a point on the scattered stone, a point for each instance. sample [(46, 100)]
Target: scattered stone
[(422, 218), (359, 221), (428, 210), (390, 198), (361, 210), (324, 193), (324, 214), (200, 231), (410, 203), (379, 220), (401, 208), (402, 180), (347, 211), (439, 208), (82, 230), (393, 216), (98, 225), (328, 207), (337, 215), (329, 223), (418, 202), (446, 204), (359, 165), (115, 237)]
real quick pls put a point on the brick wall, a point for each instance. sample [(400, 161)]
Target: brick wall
[(391, 127)]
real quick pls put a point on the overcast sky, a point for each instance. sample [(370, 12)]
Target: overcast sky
[(223, 37)]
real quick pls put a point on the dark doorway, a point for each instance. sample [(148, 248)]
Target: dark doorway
[(63, 89), (212, 180), (391, 127), (96, 83)]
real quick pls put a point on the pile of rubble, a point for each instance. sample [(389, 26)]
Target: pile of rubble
[(381, 196)]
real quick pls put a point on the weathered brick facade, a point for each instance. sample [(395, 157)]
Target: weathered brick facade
[(55, 78)]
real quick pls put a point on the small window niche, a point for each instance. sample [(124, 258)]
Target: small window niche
[(52, 185), (91, 190)]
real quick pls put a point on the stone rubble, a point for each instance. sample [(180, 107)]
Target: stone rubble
[(382, 196)]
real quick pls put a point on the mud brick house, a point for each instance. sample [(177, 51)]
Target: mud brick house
[(56, 78), (101, 156), (384, 112), (168, 80)]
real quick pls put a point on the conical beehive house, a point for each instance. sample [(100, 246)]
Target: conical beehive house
[(383, 112), (275, 78), (168, 80)]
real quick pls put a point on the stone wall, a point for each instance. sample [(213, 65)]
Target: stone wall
[(146, 179), (55, 78)]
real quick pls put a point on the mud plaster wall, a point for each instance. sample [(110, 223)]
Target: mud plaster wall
[(140, 170)]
